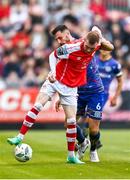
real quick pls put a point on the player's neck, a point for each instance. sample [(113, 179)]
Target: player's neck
[(105, 57)]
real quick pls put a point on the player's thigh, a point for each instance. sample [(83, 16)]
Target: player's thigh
[(70, 111), (46, 92), (42, 98), (81, 106), (69, 104)]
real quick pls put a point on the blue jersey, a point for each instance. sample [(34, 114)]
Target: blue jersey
[(94, 83), (91, 95), (108, 71)]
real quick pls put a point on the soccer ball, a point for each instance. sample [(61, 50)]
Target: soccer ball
[(23, 152)]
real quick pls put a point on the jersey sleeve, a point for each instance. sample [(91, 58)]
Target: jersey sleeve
[(118, 69), (52, 62), (62, 52)]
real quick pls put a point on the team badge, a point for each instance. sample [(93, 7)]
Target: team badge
[(108, 68)]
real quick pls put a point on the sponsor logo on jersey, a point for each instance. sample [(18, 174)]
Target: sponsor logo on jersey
[(103, 75), (61, 51)]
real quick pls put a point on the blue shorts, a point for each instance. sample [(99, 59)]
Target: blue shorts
[(91, 105)]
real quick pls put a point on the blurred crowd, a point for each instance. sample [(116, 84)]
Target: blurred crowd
[(25, 40)]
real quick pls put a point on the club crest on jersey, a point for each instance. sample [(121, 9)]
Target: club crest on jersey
[(97, 114), (61, 51), (108, 68)]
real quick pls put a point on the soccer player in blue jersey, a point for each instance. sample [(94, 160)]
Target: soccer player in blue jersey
[(109, 68), (90, 105)]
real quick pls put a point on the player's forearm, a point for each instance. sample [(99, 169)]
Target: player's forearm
[(118, 92), (106, 45), (52, 62), (119, 87)]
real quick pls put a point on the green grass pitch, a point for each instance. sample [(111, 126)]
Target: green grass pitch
[(49, 157)]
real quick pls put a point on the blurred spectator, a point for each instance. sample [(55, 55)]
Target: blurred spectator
[(19, 12), (12, 65), (6, 28), (72, 23), (8, 47), (13, 81), (3, 84), (126, 33), (38, 37), (4, 9), (30, 79), (42, 73), (1, 39), (97, 7), (36, 12), (21, 38)]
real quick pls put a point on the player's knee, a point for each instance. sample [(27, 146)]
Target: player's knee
[(71, 121), (38, 106), (94, 125), (94, 129), (42, 98)]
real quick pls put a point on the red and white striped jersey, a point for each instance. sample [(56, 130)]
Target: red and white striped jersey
[(71, 68)]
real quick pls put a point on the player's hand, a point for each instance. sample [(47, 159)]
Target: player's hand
[(95, 28), (113, 102), (57, 105), (51, 77)]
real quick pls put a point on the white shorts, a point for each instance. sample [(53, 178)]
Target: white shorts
[(68, 95)]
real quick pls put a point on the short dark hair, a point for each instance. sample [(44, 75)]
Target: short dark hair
[(60, 28), (93, 37)]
